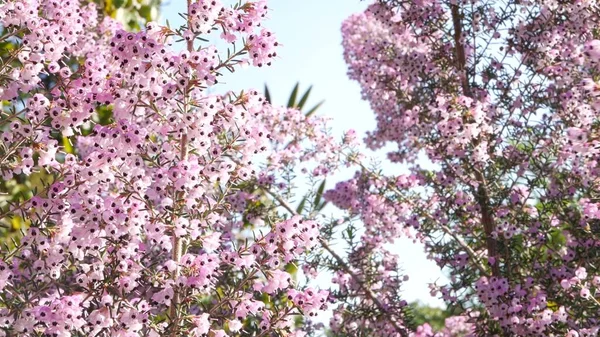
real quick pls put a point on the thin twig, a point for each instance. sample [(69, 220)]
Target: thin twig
[(177, 241), (445, 229), (368, 292), (482, 196)]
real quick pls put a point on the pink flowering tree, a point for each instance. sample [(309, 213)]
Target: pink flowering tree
[(493, 107), (160, 216), (167, 211)]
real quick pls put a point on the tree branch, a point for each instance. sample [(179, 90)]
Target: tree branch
[(177, 241), (482, 196), (368, 292)]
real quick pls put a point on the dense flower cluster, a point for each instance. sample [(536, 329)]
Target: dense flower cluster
[(501, 99), (138, 232)]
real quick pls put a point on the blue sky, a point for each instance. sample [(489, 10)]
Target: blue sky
[(311, 53)]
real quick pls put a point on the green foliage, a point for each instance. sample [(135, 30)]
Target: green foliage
[(317, 204), (294, 103), (132, 13), (13, 192), (425, 314)]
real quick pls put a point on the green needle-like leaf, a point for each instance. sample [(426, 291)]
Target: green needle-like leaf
[(267, 94), (319, 195), (304, 98), (314, 109), (292, 100)]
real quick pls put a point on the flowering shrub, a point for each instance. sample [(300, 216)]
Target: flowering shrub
[(164, 209), (501, 98), (150, 228)]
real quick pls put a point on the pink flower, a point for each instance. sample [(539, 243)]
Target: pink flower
[(235, 325), (201, 324), (584, 292)]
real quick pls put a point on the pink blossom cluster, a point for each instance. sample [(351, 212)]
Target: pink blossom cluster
[(371, 283), (502, 101), (163, 219), (138, 231), (384, 219)]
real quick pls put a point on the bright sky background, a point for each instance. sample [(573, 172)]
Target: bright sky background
[(311, 53)]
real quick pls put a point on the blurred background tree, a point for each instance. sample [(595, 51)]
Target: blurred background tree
[(422, 313), (133, 14)]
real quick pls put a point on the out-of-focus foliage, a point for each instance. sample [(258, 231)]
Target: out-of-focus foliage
[(132, 13), (423, 313), (293, 101), (15, 191)]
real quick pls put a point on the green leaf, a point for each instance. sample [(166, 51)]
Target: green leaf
[(118, 3), (267, 94), (68, 147), (349, 233), (147, 12), (291, 268), (304, 98), (556, 238), (314, 109), (317, 201), (108, 7), (320, 207), (301, 205), (292, 100), (16, 223)]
